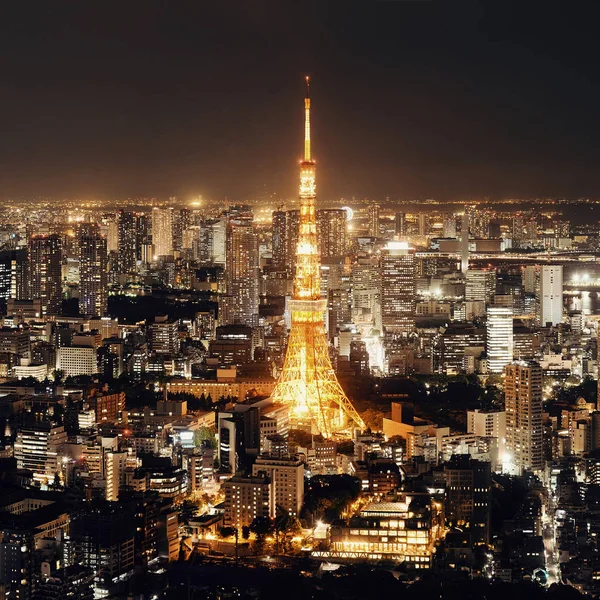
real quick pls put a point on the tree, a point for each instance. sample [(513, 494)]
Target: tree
[(226, 532), (205, 436), (261, 526)]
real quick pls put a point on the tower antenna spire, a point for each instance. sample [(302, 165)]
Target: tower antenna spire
[(307, 156)]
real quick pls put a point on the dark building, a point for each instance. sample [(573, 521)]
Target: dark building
[(45, 272), (468, 495), (93, 271), (127, 242), (239, 438), (14, 268), (71, 583), (103, 536)]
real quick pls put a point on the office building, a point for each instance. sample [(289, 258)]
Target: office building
[(499, 340), (76, 360), (93, 271), (549, 295), (523, 404), (126, 256), (45, 267), (480, 285), (398, 288), (37, 449), (163, 336)]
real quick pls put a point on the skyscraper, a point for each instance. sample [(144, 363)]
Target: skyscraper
[(242, 271), (331, 233), (93, 275), (127, 242), (549, 294), (400, 225), (374, 220), (499, 342), (45, 263), (398, 288), (279, 240), (292, 228), (307, 383), (162, 232), (523, 400)]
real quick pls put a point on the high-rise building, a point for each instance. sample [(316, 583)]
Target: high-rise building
[(307, 383), (523, 403), (162, 232), (374, 220), (182, 219), (143, 233), (549, 294), (331, 233), (292, 229), (279, 240), (14, 275), (242, 272), (93, 271), (398, 288), (499, 341), (45, 267), (115, 463), (480, 284), (366, 292), (287, 480), (449, 225), (469, 495), (127, 242), (400, 228), (422, 221)]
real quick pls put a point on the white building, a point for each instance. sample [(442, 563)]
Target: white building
[(549, 295), (287, 480), (499, 342), (489, 423), (76, 360), (37, 449)]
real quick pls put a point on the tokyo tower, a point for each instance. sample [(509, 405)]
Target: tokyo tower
[(307, 383)]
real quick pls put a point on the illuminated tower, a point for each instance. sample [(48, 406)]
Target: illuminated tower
[(307, 383)]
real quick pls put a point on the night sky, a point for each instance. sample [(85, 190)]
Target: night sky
[(412, 99)]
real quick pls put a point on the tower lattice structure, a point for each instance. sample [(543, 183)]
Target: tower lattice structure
[(307, 383)]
